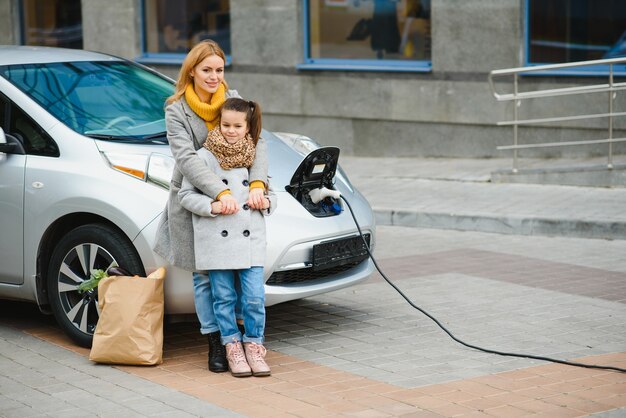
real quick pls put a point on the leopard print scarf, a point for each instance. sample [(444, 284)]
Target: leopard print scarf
[(239, 154)]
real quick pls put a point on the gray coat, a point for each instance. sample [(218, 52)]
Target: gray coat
[(186, 132), (226, 242)]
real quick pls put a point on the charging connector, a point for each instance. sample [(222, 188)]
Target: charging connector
[(322, 193)]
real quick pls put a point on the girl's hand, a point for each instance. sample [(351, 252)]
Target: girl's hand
[(266, 203), (216, 207), (229, 204), (256, 197)]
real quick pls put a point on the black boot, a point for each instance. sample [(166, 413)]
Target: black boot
[(217, 354)]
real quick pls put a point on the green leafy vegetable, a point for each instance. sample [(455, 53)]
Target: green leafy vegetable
[(92, 283)]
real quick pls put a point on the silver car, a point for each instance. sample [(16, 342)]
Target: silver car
[(84, 172)]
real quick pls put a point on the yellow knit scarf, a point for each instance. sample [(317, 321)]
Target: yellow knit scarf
[(209, 112)]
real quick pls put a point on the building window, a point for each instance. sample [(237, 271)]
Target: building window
[(172, 28), (52, 23), (379, 35), (560, 31)]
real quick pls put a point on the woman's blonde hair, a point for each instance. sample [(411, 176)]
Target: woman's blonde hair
[(197, 54)]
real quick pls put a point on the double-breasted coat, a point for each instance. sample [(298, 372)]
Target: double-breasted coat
[(226, 242), (186, 132)]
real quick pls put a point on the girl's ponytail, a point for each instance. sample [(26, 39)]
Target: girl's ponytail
[(254, 121)]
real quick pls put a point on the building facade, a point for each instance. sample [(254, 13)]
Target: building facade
[(374, 77)]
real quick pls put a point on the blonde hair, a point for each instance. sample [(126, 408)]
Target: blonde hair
[(197, 54)]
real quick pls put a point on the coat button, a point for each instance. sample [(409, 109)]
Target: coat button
[(245, 183), (246, 233), (225, 181), (245, 206), (224, 233)]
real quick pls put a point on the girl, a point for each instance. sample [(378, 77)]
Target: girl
[(231, 244), (191, 111)]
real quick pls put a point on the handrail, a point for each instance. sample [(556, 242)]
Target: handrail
[(611, 88), (564, 91), (548, 67)]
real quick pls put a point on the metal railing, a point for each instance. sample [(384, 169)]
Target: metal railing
[(610, 88)]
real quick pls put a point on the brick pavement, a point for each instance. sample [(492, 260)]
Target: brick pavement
[(363, 352)]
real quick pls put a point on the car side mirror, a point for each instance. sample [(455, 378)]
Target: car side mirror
[(3, 143), (9, 145)]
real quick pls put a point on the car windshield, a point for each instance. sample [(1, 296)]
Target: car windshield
[(105, 100)]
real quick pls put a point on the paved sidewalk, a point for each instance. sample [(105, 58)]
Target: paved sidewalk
[(41, 379), (363, 351), (457, 194)]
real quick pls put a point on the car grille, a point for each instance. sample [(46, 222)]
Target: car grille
[(307, 274)]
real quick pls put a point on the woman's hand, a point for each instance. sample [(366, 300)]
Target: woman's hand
[(256, 198), (229, 204)]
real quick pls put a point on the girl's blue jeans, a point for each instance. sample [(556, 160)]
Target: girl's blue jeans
[(203, 299), (223, 286)]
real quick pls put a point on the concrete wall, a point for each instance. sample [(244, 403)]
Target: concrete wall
[(476, 36), (9, 31), (266, 33), (112, 26), (449, 112)]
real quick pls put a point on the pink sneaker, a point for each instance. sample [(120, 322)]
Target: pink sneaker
[(255, 353), (237, 360)]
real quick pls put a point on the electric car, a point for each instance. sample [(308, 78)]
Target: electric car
[(84, 176)]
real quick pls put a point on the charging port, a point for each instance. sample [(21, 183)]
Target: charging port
[(316, 171)]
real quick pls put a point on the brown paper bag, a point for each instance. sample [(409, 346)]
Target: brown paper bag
[(130, 328)]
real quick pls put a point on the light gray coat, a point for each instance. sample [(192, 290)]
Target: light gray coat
[(226, 242), (186, 132)]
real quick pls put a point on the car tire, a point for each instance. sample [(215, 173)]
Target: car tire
[(87, 247)]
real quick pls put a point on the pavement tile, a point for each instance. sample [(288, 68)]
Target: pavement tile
[(616, 401), (396, 409), (21, 412), (508, 411), (452, 410), (427, 402)]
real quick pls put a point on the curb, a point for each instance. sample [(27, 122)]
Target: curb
[(572, 228)]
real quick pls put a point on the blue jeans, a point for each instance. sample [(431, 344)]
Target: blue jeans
[(223, 284), (203, 299)]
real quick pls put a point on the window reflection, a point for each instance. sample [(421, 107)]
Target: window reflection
[(370, 29), (52, 23), (175, 26), (576, 30), (92, 97)]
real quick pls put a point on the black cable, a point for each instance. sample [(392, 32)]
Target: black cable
[(486, 350)]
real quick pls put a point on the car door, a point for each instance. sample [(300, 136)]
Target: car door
[(12, 170)]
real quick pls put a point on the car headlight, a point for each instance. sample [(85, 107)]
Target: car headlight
[(152, 168), (160, 169), (302, 144)]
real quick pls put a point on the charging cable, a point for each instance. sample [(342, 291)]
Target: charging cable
[(486, 350)]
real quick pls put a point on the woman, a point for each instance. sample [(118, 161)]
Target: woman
[(191, 111)]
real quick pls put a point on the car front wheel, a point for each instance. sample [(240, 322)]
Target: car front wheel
[(78, 253)]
